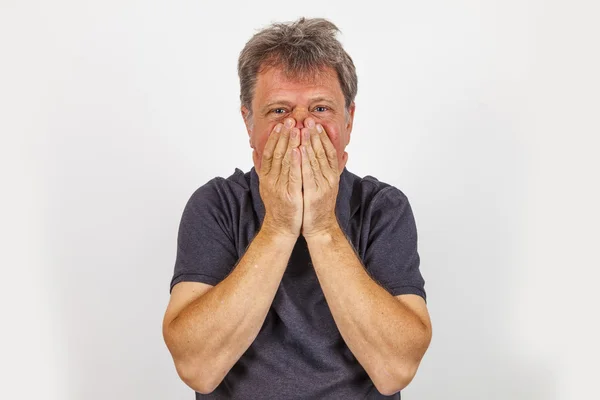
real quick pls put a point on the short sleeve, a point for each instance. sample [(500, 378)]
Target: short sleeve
[(205, 249), (391, 255)]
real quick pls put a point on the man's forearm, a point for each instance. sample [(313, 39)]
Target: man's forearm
[(386, 337), (211, 333)]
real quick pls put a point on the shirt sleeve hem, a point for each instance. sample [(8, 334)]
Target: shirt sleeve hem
[(209, 280), (398, 290)]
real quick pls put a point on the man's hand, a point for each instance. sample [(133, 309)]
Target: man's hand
[(280, 180), (320, 179)]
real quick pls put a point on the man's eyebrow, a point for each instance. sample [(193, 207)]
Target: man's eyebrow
[(276, 102), (322, 98)]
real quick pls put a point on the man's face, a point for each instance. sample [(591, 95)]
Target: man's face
[(277, 98)]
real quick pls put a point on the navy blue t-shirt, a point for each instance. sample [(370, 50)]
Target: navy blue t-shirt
[(299, 352)]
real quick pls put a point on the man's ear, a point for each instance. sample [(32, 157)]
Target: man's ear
[(246, 118), (350, 122)]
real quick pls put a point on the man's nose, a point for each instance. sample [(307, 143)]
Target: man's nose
[(300, 115)]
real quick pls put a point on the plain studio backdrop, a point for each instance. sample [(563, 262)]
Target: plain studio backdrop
[(484, 113)]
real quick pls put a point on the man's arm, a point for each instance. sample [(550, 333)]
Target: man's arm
[(208, 330), (208, 333), (388, 335)]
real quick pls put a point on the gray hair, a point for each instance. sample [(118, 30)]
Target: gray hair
[(303, 48)]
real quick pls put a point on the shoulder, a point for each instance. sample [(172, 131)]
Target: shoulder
[(385, 192), (222, 190), (218, 201), (371, 193)]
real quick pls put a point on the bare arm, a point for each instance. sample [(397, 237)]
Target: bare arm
[(387, 334), (207, 329), (209, 334)]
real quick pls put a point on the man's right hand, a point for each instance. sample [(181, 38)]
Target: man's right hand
[(280, 180)]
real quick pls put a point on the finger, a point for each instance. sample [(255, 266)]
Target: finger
[(267, 155), (281, 147), (329, 148), (296, 171), (313, 163), (319, 152), (308, 180), (287, 159)]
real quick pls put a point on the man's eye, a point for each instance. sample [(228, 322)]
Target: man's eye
[(276, 110), (321, 109)]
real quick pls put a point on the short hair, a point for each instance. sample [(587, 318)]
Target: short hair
[(302, 48)]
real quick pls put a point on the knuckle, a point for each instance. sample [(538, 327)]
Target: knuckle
[(293, 178), (264, 168), (267, 154)]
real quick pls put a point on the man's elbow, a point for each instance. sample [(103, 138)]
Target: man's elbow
[(401, 376), (190, 371), (391, 386), (196, 379)]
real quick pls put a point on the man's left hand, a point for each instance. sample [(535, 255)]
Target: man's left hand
[(320, 179)]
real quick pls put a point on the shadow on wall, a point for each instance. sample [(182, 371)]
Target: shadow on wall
[(470, 237)]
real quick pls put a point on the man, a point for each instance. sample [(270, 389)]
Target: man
[(298, 279)]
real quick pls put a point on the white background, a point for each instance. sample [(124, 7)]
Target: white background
[(485, 113)]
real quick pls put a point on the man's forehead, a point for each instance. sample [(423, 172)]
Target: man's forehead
[(311, 75), (274, 83)]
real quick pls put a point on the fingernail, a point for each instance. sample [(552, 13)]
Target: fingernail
[(310, 123), (319, 128), (289, 123), (294, 133), (278, 128), (306, 135)]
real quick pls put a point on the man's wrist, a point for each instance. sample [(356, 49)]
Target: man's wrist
[(326, 235), (277, 234)]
